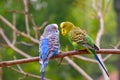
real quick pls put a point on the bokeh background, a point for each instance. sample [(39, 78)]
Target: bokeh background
[(81, 13)]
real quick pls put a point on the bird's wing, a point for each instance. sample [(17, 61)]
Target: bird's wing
[(88, 42), (44, 48), (53, 45)]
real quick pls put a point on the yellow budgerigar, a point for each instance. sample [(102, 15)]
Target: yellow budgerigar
[(80, 40)]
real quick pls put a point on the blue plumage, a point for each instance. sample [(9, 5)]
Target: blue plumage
[(49, 46), (44, 48), (97, 58)]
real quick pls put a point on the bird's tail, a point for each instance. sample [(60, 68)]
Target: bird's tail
[(43, 67), (42, 75), (97, 58)]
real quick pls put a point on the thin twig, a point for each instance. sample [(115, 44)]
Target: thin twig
[(35, 28), (98, 7), (75, 66), (14, 33), (78, 68), (21, 78), (26, 74), (85, 58), (101, 30), (106, 9), (43, 25), (107, 57), (17, 12), (25, 43), (12, 46), (17, 31), (94, 5), (20, 69), (26, 4)]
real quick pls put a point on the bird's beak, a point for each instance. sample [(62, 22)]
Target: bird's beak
[(63, 32)]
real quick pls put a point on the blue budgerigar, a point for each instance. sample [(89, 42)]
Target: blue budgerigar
[(49, 46)]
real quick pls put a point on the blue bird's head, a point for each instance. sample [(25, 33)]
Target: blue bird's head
[(52, 28)]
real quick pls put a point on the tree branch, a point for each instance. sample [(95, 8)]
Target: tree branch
[(26, 5), (17, 12), (25, 73), (12, 46), (35, 28), (17, 31), (61, 55), (14, 33), (78, 68), (85, 58), (107, 7), (97, 6)]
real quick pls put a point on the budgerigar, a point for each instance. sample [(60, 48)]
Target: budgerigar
[(80, 40), (49, 46)]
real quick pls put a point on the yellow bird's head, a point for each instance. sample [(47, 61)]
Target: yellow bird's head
[(66, 27)]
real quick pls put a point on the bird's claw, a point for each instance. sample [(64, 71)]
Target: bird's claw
[(60, 61)]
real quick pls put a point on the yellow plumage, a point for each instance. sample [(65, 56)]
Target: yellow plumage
[(81, 40)]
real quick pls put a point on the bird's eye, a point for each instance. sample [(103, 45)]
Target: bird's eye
[(54, 28), (63, 27), (63, 30)]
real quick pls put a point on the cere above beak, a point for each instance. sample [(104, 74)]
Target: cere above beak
[(63, 32)]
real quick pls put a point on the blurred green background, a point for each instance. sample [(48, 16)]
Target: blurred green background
[(81, 13)]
